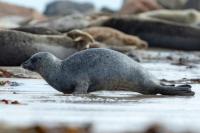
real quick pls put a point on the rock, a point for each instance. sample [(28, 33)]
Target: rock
[(5, 101), (9, 83), (157, 128), (5, 73), (41, 128), (7, 9), (138, 6), (13, 15), (107, 10), (61, 8)]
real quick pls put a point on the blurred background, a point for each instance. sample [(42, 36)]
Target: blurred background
[(40, 4), (169, 25)]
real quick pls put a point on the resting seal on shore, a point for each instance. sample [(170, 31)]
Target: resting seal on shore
[(115, 38), (111, 39), (158, 33), (16, 46), (117, 43), (37, 30), (189, 17), (98, 69)]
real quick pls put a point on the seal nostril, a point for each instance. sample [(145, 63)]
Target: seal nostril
[(25, 64)]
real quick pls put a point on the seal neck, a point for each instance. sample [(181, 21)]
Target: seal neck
[(51, 70)]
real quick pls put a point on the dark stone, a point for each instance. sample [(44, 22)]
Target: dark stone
[(60, 8), (107, 10)]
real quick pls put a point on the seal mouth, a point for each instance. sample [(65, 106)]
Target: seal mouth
[(27, 65)]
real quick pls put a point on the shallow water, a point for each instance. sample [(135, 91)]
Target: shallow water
[(107, 111)]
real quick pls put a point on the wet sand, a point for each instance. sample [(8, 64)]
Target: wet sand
[(109, 111)]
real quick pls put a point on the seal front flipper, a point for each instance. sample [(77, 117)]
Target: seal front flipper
[(81, 88), (182, 90)]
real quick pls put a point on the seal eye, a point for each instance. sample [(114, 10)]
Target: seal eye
[(34, 60)]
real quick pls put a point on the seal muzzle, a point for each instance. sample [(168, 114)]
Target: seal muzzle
[(28, 65)]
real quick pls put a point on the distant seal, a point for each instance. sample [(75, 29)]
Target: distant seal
[(16, 46), (71, 22), (113, 39), (188, 16), (65, 24), (98, 69), (158, 33), (37, 30)]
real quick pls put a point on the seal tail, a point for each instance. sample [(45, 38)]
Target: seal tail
[(182, 90)]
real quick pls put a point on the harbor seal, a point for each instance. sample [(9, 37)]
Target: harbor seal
[(158, 33), (113, 37), (98, 40), (16, 46), (65, 24), (37, 30), (98, 69), (188, 16), (104, 37)]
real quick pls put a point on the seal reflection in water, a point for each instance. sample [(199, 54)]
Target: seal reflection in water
[(99, 69)]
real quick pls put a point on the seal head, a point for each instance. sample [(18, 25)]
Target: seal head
[(36, 61)]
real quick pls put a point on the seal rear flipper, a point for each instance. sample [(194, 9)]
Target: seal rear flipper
[(182, 90), (186, 85)]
